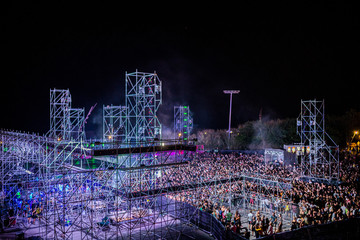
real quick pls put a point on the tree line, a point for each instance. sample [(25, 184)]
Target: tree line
[(276, 133)]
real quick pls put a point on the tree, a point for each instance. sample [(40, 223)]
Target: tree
[(245, 134), (276, 133)]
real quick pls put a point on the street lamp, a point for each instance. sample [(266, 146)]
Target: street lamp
[(231, 92)]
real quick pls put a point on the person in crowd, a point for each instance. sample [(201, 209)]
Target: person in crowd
[(294, 224), (228, 216), (258, 230), (280, 224), (237, 218), (273, 219), (250, 219)]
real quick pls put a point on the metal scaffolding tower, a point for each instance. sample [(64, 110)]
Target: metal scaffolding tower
[(65, 122), (83, 192), (60, 104), (143, 99), (322, 158), (77, 116), (114, 123), (103, 201), (183, 122)]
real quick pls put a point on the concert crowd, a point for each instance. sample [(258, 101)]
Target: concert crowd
[(307, 202)]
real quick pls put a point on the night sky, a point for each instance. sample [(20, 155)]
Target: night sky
[(275, 56)]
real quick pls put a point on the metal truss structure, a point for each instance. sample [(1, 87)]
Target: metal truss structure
[(259, 192), (123, 196), (77, 118), (82, 190), (114, 118), (321, 160), (147, 190), (32, 168), (143, 93), (239, 190), (65, 122), (183, 123), (274, 155)]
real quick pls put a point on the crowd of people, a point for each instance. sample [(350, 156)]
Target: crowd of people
[(213, 181), (27, 206), (307, 201), (321, 203)]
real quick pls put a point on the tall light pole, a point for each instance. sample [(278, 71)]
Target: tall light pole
[(231, 92)]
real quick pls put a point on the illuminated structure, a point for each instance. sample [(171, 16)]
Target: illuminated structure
[(97, 190), (114, 118), (274, 155), (321, 159), (92, 190), (183, 123), (75, 197), (66, 123), (143, 98)]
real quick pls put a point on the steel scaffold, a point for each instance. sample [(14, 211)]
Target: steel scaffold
[(143, 97), (114, 123), (65, 122), (141, 201), (108, 201), (183, 123), (322, 158), (77, 193), (84, 190)]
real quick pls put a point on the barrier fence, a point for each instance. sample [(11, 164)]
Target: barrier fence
[(346, 230), (208, 223)]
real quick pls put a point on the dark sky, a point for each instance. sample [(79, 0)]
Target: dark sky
[(276, 56)]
